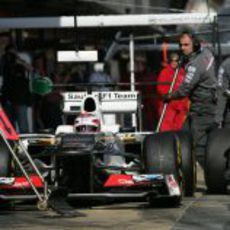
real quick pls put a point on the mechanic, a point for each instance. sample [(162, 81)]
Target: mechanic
[(176, 111), (100, 78), (16, 96), (223, 106), (200, 85)]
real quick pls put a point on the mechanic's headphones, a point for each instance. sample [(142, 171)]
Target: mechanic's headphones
[(195, 40)]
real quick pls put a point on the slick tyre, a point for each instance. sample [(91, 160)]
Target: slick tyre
[(5, 159), (188, 162), (216, 161), (160, 156)]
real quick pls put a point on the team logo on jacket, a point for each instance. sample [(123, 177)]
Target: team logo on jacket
[(220, 76), (190, 74)]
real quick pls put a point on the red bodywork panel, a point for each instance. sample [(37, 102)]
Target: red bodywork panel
[(6, 127), (118, 180), (121, 180), (21, 183)]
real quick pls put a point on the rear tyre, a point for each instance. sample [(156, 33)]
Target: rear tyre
[(160, 156), (216, 160)]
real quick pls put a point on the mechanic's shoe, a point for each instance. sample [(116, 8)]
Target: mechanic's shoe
[(57, 202)]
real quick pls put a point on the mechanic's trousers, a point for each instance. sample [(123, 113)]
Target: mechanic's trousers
[(173, 119), (200, 126), (226, 122)]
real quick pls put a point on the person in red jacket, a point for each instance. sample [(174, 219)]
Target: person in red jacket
[(177, 110)]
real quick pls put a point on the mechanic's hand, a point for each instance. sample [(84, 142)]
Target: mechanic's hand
[(166, 98), (214, 126), (227, 93)]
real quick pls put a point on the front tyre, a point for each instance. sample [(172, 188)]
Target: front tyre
[(5, 159), (160, 155), (188, 162)]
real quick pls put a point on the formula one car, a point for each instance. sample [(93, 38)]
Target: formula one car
[(23, 177), (16, 181), (96, 158)]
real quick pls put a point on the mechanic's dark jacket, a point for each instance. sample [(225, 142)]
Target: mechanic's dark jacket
[(199, 83), (223, 106)]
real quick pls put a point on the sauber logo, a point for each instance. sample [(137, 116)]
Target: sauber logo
[(125, 182), (173, 186), (104, 96), (22, 183), (118, 180)]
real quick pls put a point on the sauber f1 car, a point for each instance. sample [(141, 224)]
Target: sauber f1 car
[(95, 158)]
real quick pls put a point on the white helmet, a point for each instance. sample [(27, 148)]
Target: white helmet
[(87, 122)]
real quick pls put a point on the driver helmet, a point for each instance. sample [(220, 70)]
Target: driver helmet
[(86, 123)]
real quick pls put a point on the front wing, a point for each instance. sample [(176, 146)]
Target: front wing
[(136, 186)]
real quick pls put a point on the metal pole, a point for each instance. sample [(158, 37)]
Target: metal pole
[(131, 60), (216, 22), (22, 169), (132, 75), (31, 161)]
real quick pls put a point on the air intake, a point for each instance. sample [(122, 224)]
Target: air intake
[(89, 105)]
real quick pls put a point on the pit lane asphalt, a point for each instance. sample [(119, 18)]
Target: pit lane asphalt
[(199, 212)]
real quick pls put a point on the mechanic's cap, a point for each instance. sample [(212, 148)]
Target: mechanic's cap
[(87, 122)]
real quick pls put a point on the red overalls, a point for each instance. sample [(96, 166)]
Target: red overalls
[(177, 110)]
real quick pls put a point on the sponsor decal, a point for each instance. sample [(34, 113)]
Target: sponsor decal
[(125, 182), (74, 96), (22, 183), (190, 74), (173, 187), (7, 180), (116, 95), (121, 180), (220, 76), (119, 96), (192, 69), (147, 177), (117, 180)]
